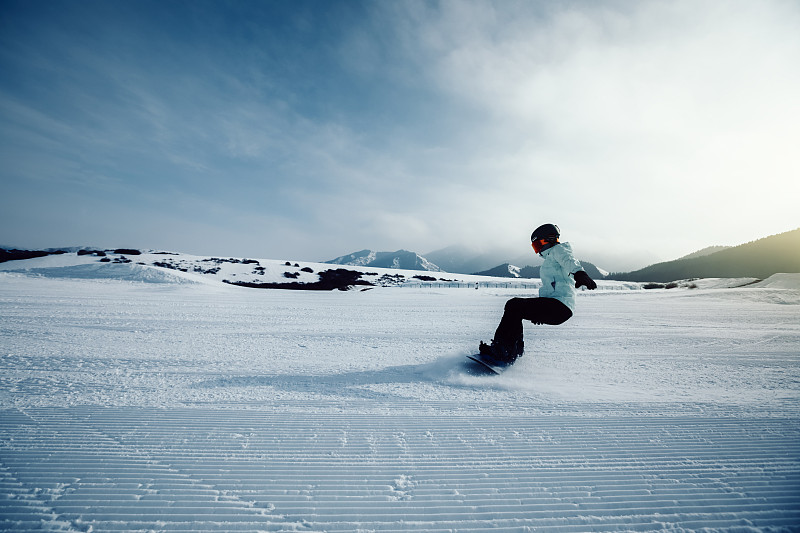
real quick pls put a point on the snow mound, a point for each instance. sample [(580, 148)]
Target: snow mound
[(118, 271), (717, 283), (781, 281)]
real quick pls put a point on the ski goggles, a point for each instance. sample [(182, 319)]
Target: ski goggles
[(541, 244)]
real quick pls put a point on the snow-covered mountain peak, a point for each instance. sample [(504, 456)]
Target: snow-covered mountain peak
[(400, 259)]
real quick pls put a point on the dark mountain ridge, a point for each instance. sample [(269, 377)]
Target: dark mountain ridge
[(757, 259)]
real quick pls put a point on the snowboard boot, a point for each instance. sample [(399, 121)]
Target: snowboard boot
[(502, 353)]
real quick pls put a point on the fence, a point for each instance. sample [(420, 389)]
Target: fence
[(511, 284), (464, 285)]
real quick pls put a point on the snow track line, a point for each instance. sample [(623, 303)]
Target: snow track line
[(194, 469)]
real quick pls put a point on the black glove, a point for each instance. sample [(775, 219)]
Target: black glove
[(582, 279)]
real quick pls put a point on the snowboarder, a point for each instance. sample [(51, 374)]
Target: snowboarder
[(556, 301)]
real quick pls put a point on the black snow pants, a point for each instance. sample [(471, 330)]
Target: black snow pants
[(537, 310)]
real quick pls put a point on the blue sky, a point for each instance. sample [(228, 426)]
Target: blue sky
[(311, 129)]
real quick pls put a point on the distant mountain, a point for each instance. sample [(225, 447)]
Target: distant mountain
[(460, 259), (757, 259), (502, 271), (401, 259), (705, 251)]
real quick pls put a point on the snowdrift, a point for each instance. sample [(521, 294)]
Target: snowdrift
[(110, 271), (781, 281)]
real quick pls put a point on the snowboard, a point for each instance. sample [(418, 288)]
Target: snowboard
[(488, 365)]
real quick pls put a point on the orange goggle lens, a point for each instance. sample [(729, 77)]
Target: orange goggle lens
[(539, 244)]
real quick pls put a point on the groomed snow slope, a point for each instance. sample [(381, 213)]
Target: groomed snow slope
[(130, 406)]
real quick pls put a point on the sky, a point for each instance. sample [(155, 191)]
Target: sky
[(307, 130)]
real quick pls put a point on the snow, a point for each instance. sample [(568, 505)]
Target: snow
[(137, 398), (157, 267), (781, 281)]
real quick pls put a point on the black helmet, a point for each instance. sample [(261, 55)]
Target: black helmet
[(545, 231), (544, 237)]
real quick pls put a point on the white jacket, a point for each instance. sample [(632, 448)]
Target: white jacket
[(556, 271)]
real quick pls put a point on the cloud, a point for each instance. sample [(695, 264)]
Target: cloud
[(669, 125), (648, 117)]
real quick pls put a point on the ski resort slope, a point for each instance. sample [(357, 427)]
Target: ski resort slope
[(171, 406)]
